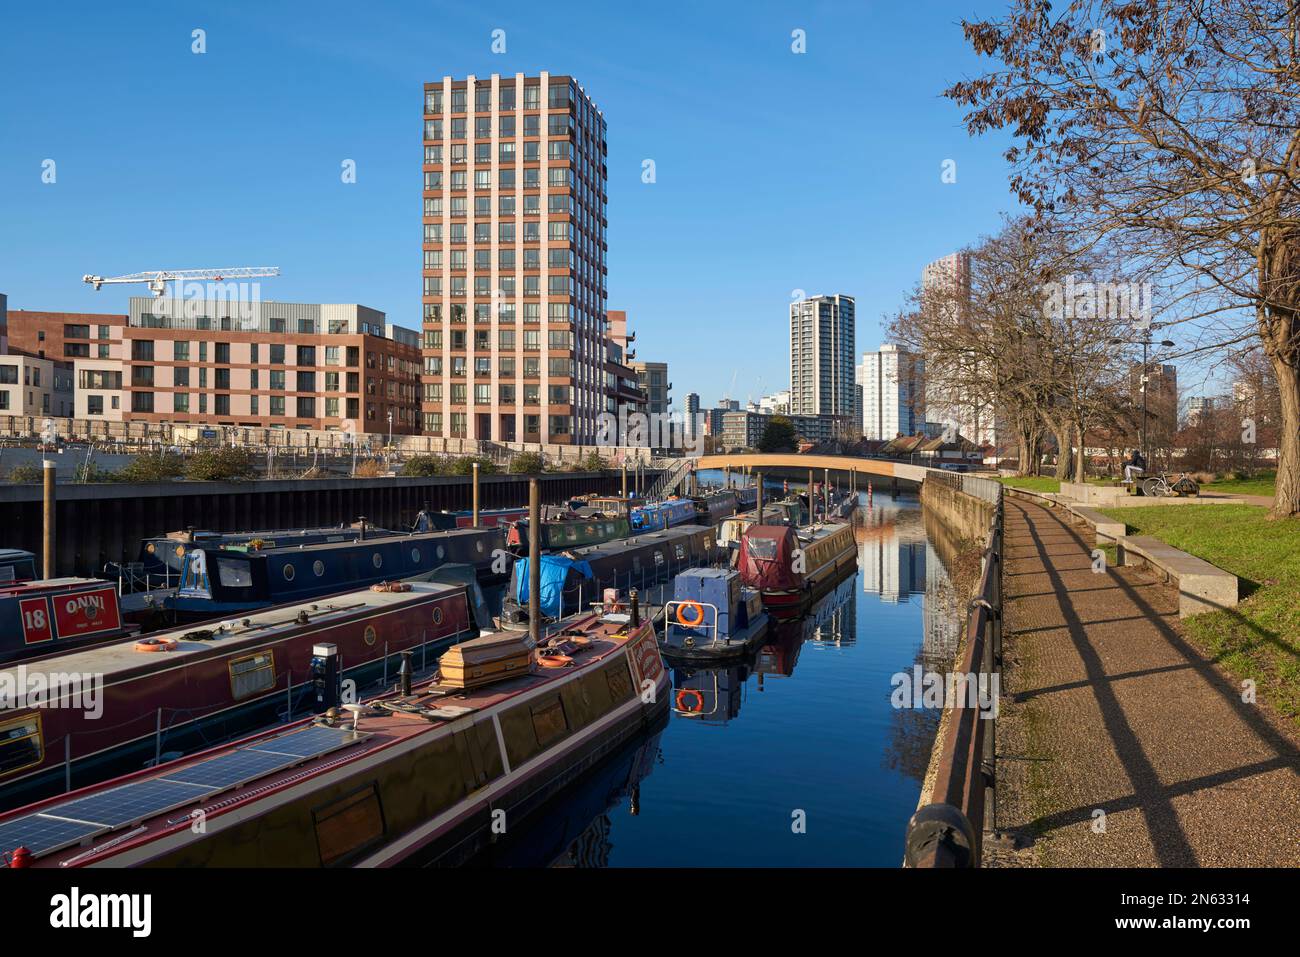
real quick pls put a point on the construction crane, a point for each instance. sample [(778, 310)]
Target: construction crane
[(157, 279)]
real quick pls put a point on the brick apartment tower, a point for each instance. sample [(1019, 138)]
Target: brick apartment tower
[(514, 260)]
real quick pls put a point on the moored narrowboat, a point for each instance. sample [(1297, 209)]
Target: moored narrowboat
[(92, 713), (427, 521), (40, 618), (656, 516), (792, 568), (712, 616), (17, 565), (713, 506), (568, 533), (417, 777)]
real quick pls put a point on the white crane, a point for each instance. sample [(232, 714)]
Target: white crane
[(157, 279)]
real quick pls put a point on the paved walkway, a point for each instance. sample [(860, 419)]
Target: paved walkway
[(1111, 709)]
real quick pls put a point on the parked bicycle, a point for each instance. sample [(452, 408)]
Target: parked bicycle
[(1159, 486)]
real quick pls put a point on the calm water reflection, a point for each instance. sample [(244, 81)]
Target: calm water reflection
[(805, 725)]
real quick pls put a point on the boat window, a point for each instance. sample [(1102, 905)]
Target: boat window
[(348, 825), (21, 744), (377, 560), (234, 574), (289, 572), (480, 545), (369, 635), (437, 614), (252, 674), (764, 549), (318, 567), (549, 721), (441, 552), (659, 558), (415, 556)]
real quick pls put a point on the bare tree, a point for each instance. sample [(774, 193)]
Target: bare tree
[(1175, 126)]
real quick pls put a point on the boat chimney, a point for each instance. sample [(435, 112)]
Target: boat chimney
[(362, 520), (636, 608), (404, 674)]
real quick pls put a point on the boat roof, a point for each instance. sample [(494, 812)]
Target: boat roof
[(665, 535), (61, 830), (414, 538), (119, 658), (14, 554), (815, 533)]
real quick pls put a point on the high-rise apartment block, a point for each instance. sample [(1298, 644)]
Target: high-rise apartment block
[(514, 260), (892, 393), (822, 356)]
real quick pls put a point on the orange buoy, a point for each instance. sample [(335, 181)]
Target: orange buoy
[(696, 619), (699, 701), (156, 644), (554, 661)]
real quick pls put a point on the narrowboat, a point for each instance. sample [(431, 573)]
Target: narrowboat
[(110, 709), (710, 693), (568, 533), (162, 558), (656, 516), (17, 565), (419, 775), (712, 507), (39, 618), (792, 568), (746, 497), (427, 521), (221, 582), (789, 511), (712, 616), (574, 577)]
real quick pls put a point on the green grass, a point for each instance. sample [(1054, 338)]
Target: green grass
[(1260, 638), (1262, 484), (1032, 483)]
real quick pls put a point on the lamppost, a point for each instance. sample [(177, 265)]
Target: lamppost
[(1146, 342)]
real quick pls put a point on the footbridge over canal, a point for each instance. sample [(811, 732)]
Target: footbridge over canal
[(848, 469)]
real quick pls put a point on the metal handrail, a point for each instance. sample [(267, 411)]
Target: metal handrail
[(671, 623), (949, 831)]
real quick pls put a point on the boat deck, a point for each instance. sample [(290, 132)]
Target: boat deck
[(119, 658), (104, 823)]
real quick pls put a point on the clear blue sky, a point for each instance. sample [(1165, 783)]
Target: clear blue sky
[(775, 171)]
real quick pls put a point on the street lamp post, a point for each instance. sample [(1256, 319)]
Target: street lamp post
[(1146, 342)]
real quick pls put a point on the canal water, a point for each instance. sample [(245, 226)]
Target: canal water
[(797, 757)]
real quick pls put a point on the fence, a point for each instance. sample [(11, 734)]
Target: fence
[(949, 831)]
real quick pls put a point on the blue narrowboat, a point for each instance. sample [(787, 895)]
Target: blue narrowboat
[(656, 516)]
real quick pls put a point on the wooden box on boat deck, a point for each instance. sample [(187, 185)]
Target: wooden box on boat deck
[(483, 660)]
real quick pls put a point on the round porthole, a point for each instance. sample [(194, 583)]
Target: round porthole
[(288, 573), (415, 556), (377, 560), (318, 567), (149, 548), (442, 552), (480, 546), (369, 636), (437, 615)]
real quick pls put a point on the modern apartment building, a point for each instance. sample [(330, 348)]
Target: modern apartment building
[(264, 364), (892, 393), (743, 430), (514, 267), (951, 403), (653, 379), (822, 356), (34, 387), (693, 427), (64, 336)]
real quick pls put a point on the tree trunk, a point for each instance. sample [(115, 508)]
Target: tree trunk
[(1286, 499), (1078, 459), (1063, 452)]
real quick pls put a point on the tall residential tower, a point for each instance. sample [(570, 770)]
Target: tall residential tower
[(822, 356), (514, 260)]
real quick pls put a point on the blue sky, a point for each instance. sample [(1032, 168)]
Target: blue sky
[(775, 171)]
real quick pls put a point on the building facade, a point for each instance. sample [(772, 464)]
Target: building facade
[(892, 393), (265, 364), (64, 336), (822, 356), (653, 379), (743, 430), (35, 387), (514, 247)]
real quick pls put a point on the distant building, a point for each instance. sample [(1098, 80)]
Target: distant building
[(744, 429), (64, 336), (892, 393), (652, 377), (622, 387), (951, 401), (1197, 407), (822, 356), (692, 415), (35, 387)]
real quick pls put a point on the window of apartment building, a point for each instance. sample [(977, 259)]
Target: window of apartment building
[(560, 367), (76, 350), (203, 378), (252, 405), (331, 382), (433, 101), (561, 424), (354, 356), (458, 423), (532, 368), (458, 365), (141, 401), (306, 382), (180, 351), (306, 356), (532, 340), (506, 394), (277, 355), (222, 356), (532, 395), (94, 404), (277, 405), (482, 366), (252, 378), (277, 324), (142, 350), (203, 403), (354, 381), (332, 355), (458, 127), (506, 177), (252, 353), (277, 380), (506, 366), (354, 408), (331, 408), (203, 352), (482, 394), (102, 350), (559, 394), (306, 407), (221, 404), (181, 376), (103, 332), (532, 423), (221, 379), (458, 392), (532, 176), (140, 375)]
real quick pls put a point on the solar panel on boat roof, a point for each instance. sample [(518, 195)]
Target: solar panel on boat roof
[(230, 770), (41, 834), (130, 802), (307, 743)]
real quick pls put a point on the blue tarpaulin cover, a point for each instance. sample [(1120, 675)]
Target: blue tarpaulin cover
[(555, 569)]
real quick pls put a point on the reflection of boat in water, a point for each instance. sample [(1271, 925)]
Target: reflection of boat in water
[(711, 695), (792, 568), (573, 829)]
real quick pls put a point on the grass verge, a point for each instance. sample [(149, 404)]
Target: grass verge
[(1032, 483), (1263, 484), (1260, 638)]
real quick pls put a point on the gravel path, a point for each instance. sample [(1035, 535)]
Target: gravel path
[(1112, 710)]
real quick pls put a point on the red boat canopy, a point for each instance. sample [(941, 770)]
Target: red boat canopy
[(767, 557)]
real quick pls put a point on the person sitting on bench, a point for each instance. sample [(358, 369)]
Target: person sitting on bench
[(1137, 464)]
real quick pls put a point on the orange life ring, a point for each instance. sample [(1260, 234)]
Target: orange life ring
[(554, 661), (699, 701), (156, 644), (699, 614)]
